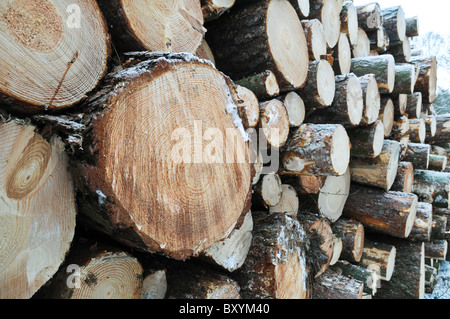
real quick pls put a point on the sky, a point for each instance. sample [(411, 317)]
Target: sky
[(433, 14)]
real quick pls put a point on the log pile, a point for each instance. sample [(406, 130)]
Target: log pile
[(259, 149)]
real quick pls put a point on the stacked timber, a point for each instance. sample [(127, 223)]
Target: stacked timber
[(219, 149)]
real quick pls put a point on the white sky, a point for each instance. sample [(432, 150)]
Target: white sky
[(433, 14)]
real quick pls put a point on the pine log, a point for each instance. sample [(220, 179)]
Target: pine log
[(295, 108), (394, 22), (263, 84), (158, 152), (380, 257), (414, 105), (431, 126), (437, 163), (379, 171), (247, 105), (432, 187), (412, 26), (362, 46), (274, 123), (302, 7), (367, 141), (400, 128), (337, 249), (321, 242), (383, 66), (50, 46), (391, 213), (273, 39), (342, 55), (37, 209), (401, 50), (352, 234), (231, 252), (417, 130), (315, 38), (408, 279), (405, 178), (332, 285), (387, 112), (93, 270), (320, 87), (275, 267), (176, 26), (289, 202), (328, 12), (404, 78), (442, 134), (422, 228), (436, 249), (213, 9), (267, 192), (317, 149), (369, 16), (349, 21), (438, 227), (427, 80), (368, 276), (400, 103), (329, 199), (371, 97), (194, 281), (348, 105), (379, 40)]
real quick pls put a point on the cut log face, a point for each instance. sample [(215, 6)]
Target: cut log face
[(177, 26), (362, 46), (267, 192), (213, 9), (349, 21), (302, 7), (317, 149), (401, 50), (405, 178), (372, 99), (328, 12), (367, 141), (274, 122), (288, 203), (342, 56), (418, 154), (135, 159), (352, 234), (391, 213), (387, 115), (295, 108), (379, 171), (264, 85), (38, 210), (315, 37), (279, 37), (369, 16), (383, 66), (427, 78), (248, 106), (442, 129), (36, 36), (421, 230), (414, 105), (417, 130)]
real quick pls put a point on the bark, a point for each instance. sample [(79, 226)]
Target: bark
[(442, 133), (317, 149), (246, 42), (412, 26), (332, 285), (401, 50), (213, 9), (302, 8), (437, 163), (37, 209), (438, 227), (368, 276), (436, 249), (352, 234), (37, 75), (369, 16), (427, 78), (404, 79), (414, 105), (391, 213), (417, 130), (380, 171), (422, 228)]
